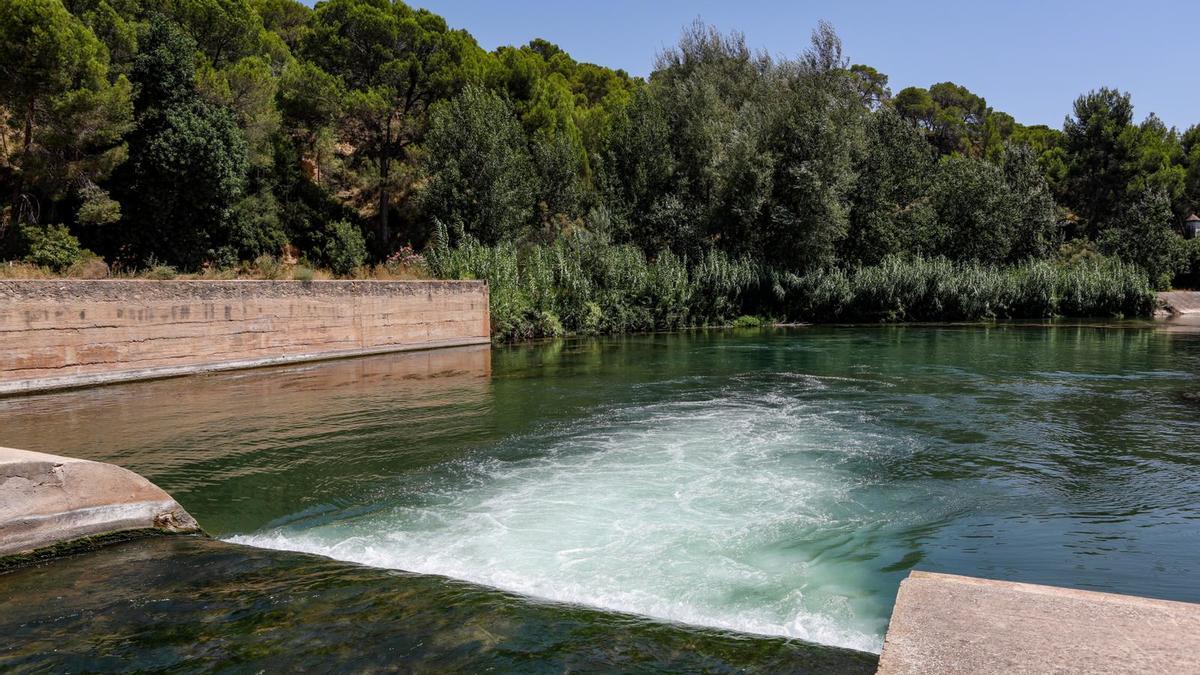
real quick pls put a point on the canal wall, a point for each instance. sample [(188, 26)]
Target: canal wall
[(70, 333), (49, 503)]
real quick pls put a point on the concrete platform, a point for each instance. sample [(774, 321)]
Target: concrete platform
[(49, 502), (1180, 303), (950, 624)]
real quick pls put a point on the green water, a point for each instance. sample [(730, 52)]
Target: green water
[(633, 499)]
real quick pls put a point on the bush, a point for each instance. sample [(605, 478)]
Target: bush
[(303, 273), (747, 321), (344, 249), (267, 267), (52, 246)]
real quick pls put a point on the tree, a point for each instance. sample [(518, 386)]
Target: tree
[(286, 18), (820, 135), (394, 63), (188, 159), (638, 177), (871, 85), (889, 212), (1158, 164), (481, 180), (976, 212), (1141, 233), (1099, 142), (69, 116), (1035, 226), (1190, 145), (223, 30)]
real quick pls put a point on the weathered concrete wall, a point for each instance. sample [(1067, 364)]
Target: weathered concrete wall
[(67, 333), (949, 624), (47, 501)]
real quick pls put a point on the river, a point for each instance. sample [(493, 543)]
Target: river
[(701, 500)]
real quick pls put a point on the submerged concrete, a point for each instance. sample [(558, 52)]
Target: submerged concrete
[(66, 333), (951, 624), (48, 501)]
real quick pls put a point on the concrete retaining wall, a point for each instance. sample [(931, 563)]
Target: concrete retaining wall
[(70, 333)]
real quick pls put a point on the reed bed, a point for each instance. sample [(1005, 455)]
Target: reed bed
[(581, 286)]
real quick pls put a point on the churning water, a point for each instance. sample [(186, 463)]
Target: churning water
[(736, 502), (772, 482)]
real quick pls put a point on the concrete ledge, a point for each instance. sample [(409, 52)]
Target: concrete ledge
[(18, 387), (1179, 303), (47, 501), (950, 624)]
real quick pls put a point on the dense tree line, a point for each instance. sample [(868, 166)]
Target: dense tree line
[(203, 133)]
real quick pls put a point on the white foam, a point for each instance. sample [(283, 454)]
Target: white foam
[(732, 513)]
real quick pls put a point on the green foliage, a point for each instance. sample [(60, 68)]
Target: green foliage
[(920, 289), (52, 246), (590, 286), (1141, 234), (345, 249), (55, 90), (482, 180), (394, 63), (746, 321), (889, 212), (188, 161), (956, 120), (204, 133), (1099, 142)]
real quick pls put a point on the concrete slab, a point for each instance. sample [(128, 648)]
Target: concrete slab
[(47, 501), (1179, 303), (951, 624)]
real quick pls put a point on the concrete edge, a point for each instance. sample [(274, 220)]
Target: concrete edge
[(1041, 589), (19, 387), (946, 623), (51, 504)]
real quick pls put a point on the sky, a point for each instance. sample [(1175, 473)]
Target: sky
[(1030, 59)]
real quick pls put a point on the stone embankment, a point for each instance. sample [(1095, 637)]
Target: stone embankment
[(949, 624), (50, 504), (71, 333)]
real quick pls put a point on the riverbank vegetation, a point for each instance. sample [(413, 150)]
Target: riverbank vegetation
[(368, 138)]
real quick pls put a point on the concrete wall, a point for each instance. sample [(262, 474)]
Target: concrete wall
[(68, 333)]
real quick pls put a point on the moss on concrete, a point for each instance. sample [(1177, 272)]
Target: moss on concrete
[(83, 545)]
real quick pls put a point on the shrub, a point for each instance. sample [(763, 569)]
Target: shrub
[(267, 267), (303, 273), (157, 270), (345, 248), (747, 321), (52, 246)]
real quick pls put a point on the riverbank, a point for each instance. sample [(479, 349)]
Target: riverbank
[(70, 333)]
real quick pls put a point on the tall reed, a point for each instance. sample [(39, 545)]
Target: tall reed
[(585, 285)]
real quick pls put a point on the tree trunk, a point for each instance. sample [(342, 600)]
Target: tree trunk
[(27, 145), (385, 234)]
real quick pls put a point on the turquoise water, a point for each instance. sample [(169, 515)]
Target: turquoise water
[(776, 482)]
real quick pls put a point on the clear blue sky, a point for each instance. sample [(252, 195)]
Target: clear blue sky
[(1028, 58)]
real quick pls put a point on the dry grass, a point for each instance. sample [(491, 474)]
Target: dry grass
[(264, 268)]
